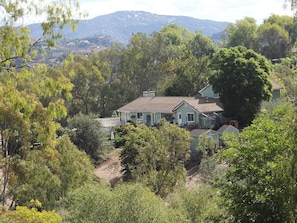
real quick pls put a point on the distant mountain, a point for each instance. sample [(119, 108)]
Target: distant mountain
[(120, 26)]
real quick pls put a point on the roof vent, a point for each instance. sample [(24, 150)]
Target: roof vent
[(148, 93)]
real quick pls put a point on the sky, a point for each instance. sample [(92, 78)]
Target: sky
[(217, 10)]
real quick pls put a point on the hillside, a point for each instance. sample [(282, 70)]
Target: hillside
[(119, 26)]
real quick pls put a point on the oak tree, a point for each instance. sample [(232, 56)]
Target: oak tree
[(242, 79)]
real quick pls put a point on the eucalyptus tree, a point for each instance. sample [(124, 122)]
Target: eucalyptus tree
[(286, 22), (142, 64), (87, 81), (242, 33), (189, 72), (273, 41), (31, 98)]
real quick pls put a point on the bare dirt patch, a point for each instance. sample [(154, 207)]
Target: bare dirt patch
[(110, 170)]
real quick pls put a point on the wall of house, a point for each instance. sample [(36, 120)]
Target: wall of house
[(208, 92), (147, 118), (185, 109), (213, 135)]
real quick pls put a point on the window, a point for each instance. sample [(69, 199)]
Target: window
[(139, 115), (190, 117)]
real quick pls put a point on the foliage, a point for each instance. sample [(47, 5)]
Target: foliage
[(242, 33), (125, 203), (17, 47), (30, 215), (30, 99), (200, 204), (86, 134), (47, 175), (286, 22), (273, 41), (242, 79), (87, 82), (188, 72), (156, 156), (260, 184)]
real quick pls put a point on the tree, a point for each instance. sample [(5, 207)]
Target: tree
[(242, 79), (87, 82), (187, 73), (201, 45), (242, 33), (156, 156), (48, 175), (199, 204), (273, 41), (85, 132), (260, 183), (17, 47), (123, 204), (286, 22), (30, 103)]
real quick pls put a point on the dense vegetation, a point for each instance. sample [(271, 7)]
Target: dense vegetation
[(50, 140)]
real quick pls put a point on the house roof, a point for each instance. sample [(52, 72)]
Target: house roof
[(199, 132), (153, 104), (203, 105), (225, 127), (170, 104), (275, 85), (204, 88)]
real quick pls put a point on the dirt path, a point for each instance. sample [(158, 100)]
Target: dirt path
[(110, 170)]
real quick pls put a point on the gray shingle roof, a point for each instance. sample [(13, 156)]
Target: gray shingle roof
[(169, 104)]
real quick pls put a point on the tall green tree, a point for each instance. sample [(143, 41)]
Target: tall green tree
[(242, 33), (273, 41), (85, 132), (188, 73), (87, 82), (31, 102), (286, 22), (156, 156), (242, 79), (49, 174), (260, 183)]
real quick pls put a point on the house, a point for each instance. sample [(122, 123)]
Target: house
[(207, 91), (212, 134), (182, 111), (196, 133), (227, 129)]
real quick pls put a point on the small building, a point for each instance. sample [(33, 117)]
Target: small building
[(212, 134)]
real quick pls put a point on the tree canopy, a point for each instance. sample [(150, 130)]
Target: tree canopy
[(242, 79), (156, 156), (260, 184)]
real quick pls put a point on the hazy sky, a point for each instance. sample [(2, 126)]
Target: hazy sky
[(218, 10)]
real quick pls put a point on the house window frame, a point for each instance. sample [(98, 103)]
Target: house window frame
[(190, 114), (139, 115)]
